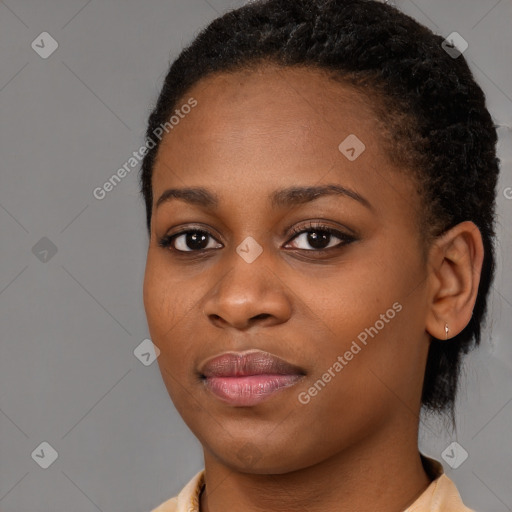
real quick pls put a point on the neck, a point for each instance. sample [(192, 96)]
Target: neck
[(385, 472)]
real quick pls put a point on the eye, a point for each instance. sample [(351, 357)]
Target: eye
[(320, 237), (192, 240)]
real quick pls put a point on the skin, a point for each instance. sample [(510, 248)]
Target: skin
[(354, 445)]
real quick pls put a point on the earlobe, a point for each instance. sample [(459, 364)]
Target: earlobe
[(455, 263)]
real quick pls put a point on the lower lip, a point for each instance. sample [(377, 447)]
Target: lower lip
[(250, 389)]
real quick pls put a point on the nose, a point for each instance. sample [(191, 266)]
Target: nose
[(248, 294)]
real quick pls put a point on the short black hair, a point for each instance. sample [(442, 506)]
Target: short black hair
[(438, 127)]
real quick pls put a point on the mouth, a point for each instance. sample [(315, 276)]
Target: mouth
[(245, 379)]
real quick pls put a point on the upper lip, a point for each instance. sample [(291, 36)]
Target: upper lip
[(254, 362)]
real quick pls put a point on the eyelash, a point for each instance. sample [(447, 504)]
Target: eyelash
[(345, 239)]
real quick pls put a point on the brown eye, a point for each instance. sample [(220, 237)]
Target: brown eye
[(189, 241), (320, 238)]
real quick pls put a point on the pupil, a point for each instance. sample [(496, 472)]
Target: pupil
[(318, 242), (196, 241)]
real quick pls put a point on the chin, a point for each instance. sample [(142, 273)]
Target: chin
[(263, 458)]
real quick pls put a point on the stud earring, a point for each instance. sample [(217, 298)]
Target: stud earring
[(446, 331)]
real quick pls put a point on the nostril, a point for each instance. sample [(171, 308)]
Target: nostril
[(260, 316)]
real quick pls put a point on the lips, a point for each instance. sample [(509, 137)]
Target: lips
[(240, 364), (248, 378)]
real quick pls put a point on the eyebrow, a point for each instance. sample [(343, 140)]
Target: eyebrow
[(287, 197)]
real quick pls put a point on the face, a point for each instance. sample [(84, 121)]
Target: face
[(288, 296)]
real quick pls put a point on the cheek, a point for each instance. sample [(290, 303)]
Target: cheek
[(152, 287), (352, 297), (374, 317), (164, 293), (368, 283), (166, 308), (171, 304), (164, 302)]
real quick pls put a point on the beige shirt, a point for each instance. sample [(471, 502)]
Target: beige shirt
[(440, 496)]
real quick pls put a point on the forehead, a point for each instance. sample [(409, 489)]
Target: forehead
[(275, 126), (299, 104), (289, 97), (306, 90)]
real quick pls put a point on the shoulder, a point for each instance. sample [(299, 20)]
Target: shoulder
[(447, 497), (188, 498), (441, 495)]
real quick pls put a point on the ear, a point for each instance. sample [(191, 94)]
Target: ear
[(455, 263)]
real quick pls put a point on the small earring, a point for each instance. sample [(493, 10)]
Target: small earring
[(446, 330)]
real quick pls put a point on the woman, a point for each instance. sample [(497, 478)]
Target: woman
[(320, 194)]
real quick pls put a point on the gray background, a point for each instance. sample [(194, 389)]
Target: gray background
[(70, 324)]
